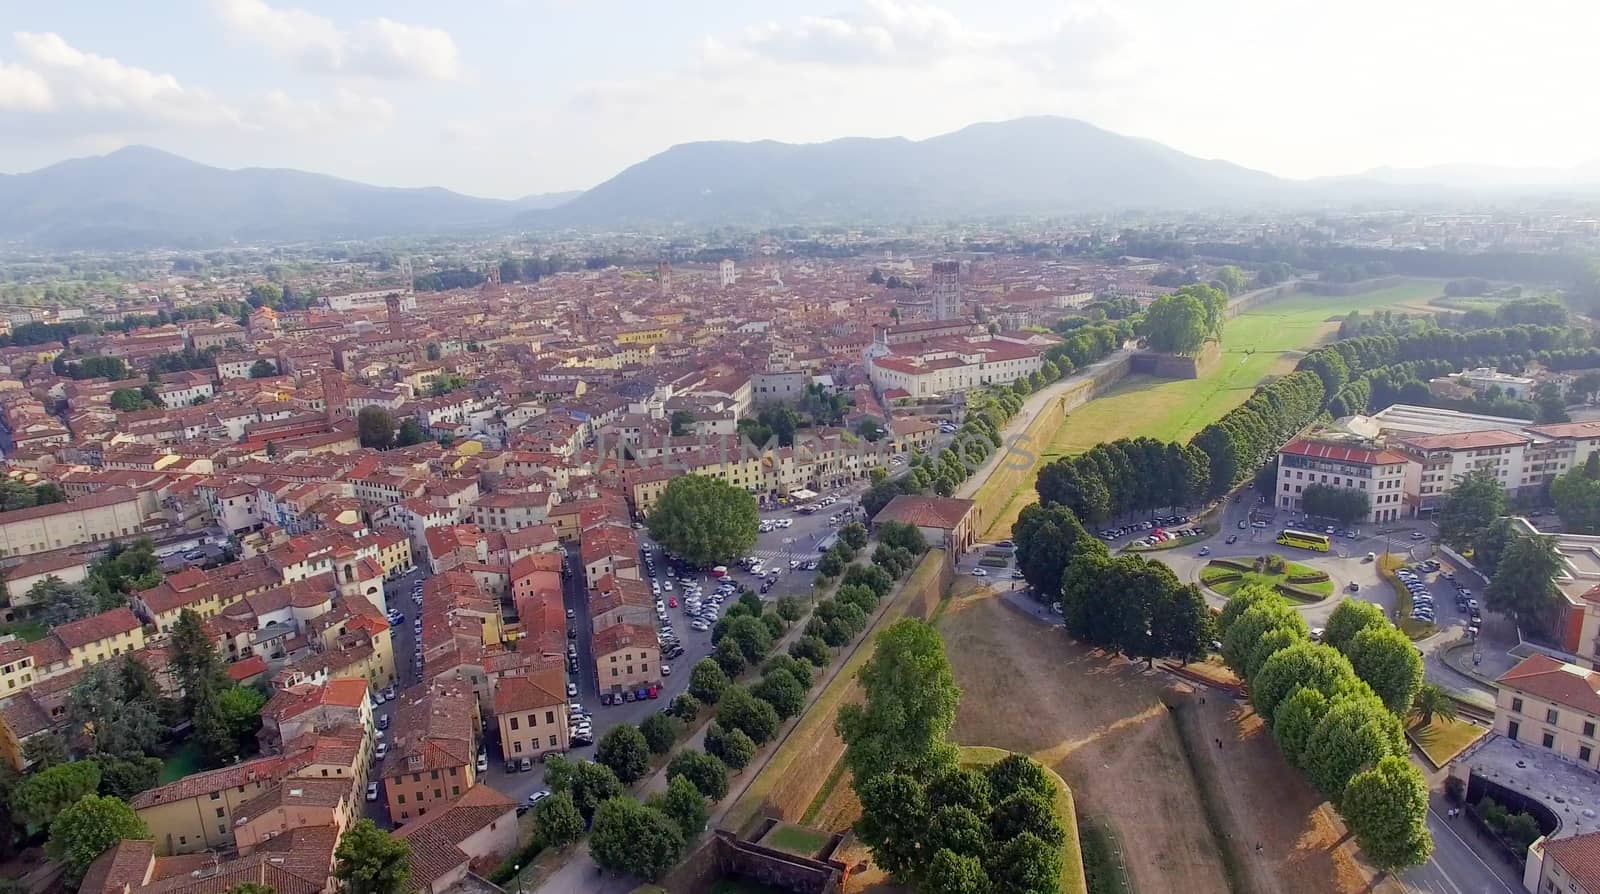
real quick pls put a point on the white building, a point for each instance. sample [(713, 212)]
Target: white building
[(1382, 474), (946, 366)]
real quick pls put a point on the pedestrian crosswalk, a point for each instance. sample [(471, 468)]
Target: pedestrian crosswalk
[(777, 555)]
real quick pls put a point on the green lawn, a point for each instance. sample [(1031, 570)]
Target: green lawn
[(183, 762), (28, 631), (1258, 345), (1212, 571), (1442, 740), (797, 840)]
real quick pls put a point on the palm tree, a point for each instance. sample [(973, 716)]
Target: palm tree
[(1432, 701)]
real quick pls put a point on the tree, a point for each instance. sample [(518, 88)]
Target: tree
[(800, 670), (1232, 279), (558, 819), (953, 873), (903, 535), (262, 369), (1350, 618), (251, 888), (45, 751), (660, 731), (738, 709), (1018, 773), (114, 719), (626, 752), (410, 434), (588, 782), (1432, 701), (728, 655), (1470, 507), (1311, 665), (239, 710), (782, 691), (1387, 809), (127, 400), (1491, 544), (1047, 536), (376, 426), (1027, 811), (704, 520), (854, 535), (126, 778), (1341, 504), (1296, 720), (707, 681), (731, 746), (1240, 644), (1025, 865), (193, 656), (910, 704), (753, 637), (708, 774), (1176, 323), (1524, 586), (1577, 497), (811, 649), (894, 819), (629, 837), (870, 430), (38, 798), (1385, 659), (684, 805), (682, 423), (789, 609), (1356, 732), (83, 831), (371, 861), (62, 602)]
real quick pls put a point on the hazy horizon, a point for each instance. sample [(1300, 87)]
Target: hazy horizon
[(536, 96)]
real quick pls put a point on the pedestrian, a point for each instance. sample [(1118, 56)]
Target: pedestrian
[(1219, 744)]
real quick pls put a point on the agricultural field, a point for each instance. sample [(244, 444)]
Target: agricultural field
[(1257, 345), (1111, 728)]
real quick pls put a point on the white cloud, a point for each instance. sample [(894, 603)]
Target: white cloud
[(23, 89), (377, 48), (1073, 45), (57, 91)]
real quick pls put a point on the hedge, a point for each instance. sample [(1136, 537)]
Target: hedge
[(1234, 563), (1297, 593), (1227, 578), (1316, 577)]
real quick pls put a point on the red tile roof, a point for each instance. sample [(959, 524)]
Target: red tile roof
[(1343, 453), (1579, 855), (925, 512), (1556, 681), (1468, 440)]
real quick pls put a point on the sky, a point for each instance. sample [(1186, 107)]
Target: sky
[(505, 98)]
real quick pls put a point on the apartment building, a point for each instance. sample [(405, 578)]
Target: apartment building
[(946, 366), (105, 515), (1553, 705), (626, 656), (1448, 458), (432, 751), (531, 712), (1385, 476)]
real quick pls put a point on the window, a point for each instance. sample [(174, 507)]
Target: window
[(1588, 729), (1551, 716), (1584, 753), (1516, 705), (516, 747), (1549, 740), (552, 741), (550, 717), (455, 790), (220, 812), (401, 799), (452, 771), (514, 723)]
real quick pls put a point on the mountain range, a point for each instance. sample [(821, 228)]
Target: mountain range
[(138, 197)]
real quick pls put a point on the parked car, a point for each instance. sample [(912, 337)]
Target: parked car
[(372, 791), (525, 765), (979, 572)]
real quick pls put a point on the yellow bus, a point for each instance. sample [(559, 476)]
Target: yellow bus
[(1304, 540)]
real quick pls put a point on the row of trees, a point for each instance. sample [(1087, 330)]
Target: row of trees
[(1126, 604), (1334, 709), (1113, 479), (931, 822)]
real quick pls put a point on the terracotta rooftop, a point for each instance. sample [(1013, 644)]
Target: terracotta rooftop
[(925, 512), (1556, 681)]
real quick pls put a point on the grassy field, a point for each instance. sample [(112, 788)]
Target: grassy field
[(1209, 575), (1257, 345), (1441, 740), (796, 840)]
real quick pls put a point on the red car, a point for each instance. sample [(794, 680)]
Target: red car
[(672, 602)]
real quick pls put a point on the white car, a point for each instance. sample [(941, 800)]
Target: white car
[(382, 750), (372, 791), (979, 572), (666, 670), (483, 762)]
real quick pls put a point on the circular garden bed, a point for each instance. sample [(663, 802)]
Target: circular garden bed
[(1292, 579)]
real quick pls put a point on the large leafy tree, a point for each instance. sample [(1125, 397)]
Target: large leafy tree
[(740, 710), (1350, 618), (1025, 864), (704, 520), (84, 830), (1338, 503), (953, 873), (1387, 809), (1491, 544), (1176, 323), (1524, 585), (38, 798), (708, 774), (1577, 497), (1470, 507), (910, 704), (559, 821), (685, 805), (894, 819), (588, 783), (110, 717), (375, 426), (1047, 536), (1384, 658), (1356, 732), (782, 691), (1306, 664), (624, 749), (1296, 720), (707, 681), (371, 861), (629, 837), (731, 746)]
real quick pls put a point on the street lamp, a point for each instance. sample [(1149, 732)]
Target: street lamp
[(517, 868)]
